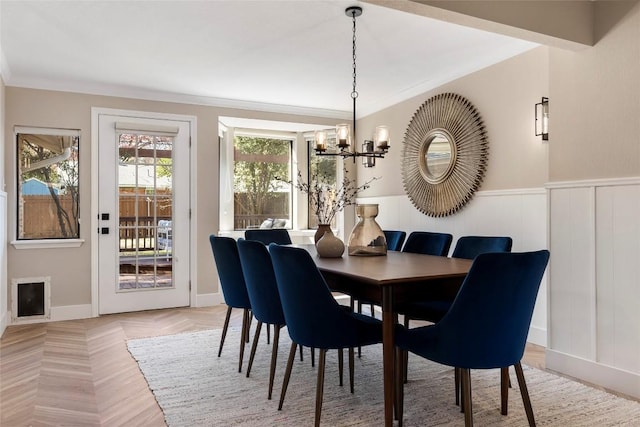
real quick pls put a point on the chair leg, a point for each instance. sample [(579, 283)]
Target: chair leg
[(525, 394), (405, 356), (504, 390), (301, 356), (274, 357), (224, 330), (340, 364), (287, 374), (373, 313), (351, 366), (320, 385), (253, 347), (313, 357), (359, 311), (269, 333), (244, 337), (466, 396), (249, 321)]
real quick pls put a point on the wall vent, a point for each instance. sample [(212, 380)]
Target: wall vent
[(30, 299)]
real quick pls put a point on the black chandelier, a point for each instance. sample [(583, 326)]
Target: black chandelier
[(371, 149)]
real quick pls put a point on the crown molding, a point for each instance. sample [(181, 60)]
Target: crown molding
[(151, 95)]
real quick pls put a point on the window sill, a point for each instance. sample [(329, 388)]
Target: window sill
[(47, 243)]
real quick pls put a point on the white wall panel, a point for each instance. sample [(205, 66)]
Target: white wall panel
[(521, 214), (618, 276), (571, 287), (594, 292)]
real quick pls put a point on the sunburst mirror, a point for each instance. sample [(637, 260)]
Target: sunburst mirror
[(444, 154)]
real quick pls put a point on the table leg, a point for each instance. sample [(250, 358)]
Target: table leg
[(388, 344)]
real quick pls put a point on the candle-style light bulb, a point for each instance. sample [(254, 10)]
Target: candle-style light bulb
[(381, 137), (321, 140), (343, 136)]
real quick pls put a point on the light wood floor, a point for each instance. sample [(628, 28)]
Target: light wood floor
[(80, 373)]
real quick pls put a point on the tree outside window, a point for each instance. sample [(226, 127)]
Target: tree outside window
[(325, 169), (48, 186), (260, 199)]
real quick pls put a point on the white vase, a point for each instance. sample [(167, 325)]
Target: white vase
[(329, 246)]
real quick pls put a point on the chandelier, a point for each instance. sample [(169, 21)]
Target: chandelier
[(371, 149)]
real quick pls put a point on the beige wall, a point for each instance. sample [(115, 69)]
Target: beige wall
[(595, 103), (70, 269), (3, 221), (504, 95)]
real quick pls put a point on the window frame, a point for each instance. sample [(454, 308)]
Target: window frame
[(46, 242)]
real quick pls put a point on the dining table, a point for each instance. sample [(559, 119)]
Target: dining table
[(389, 281)]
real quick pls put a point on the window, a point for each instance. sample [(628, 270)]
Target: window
[(323, 168), (261, 199), (48, 187)]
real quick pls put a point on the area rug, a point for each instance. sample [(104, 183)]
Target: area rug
[(194, 387)]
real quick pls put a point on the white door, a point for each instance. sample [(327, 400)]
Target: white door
[(143, 213)]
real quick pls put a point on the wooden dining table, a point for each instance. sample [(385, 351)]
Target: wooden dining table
[(389, 281)]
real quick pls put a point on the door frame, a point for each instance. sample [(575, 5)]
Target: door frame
[(192, 254)]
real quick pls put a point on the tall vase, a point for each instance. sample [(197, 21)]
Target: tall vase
[(322, 228), (367, 238)]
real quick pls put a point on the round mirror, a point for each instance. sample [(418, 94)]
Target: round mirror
[(444, 154), (437, 156)]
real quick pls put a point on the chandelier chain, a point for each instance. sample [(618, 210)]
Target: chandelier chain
[(354, 93)]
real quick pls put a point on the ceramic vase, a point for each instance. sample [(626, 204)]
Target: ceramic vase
[(329, 246), (322, 228), (367, 238)]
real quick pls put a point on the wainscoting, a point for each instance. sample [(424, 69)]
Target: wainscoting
[(594, 286), (520, 213)]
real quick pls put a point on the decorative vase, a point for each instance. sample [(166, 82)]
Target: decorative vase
[(322, 228), (367, 238), (329, 246)]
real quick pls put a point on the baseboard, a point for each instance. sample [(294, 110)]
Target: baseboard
[(208, 300), (537, 336), (59, 313), (608, 377)]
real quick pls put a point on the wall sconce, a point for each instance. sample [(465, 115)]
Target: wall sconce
[(542, 119)]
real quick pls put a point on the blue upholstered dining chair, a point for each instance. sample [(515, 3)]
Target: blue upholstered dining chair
[(265, 299), (279, 236), (424, 242), (324, 324), (487, 324), (467, 247), (234, 288), (395, 239)]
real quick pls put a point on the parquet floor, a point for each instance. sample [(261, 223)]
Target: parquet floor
[(79, 373)]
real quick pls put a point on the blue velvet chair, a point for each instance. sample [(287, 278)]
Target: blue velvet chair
[(486, 326), (324, 324), (395, 239), (467, 247), (264, 297), (234, 288), (424, 242), (279, 236)]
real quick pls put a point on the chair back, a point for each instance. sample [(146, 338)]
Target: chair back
[(234, 288), (261, 282), (278, 236), (313, 316), (470, 247), (488, 322), (395, 239), (424, 242)]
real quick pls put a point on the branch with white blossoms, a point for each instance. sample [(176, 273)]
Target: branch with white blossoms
[(326, 200)]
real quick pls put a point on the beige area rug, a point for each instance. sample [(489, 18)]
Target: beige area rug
[(196, 388)]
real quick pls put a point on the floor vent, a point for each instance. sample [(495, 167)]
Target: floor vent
[(31, 299)]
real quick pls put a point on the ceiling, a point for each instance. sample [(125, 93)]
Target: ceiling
[(289, 56)]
